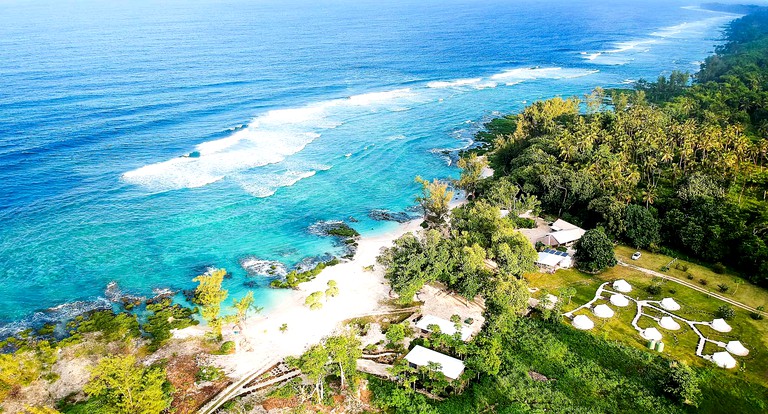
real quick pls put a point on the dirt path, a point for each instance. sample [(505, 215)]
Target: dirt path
[(692, 286)]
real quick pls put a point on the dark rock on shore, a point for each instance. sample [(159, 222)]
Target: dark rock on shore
[(386, 215)]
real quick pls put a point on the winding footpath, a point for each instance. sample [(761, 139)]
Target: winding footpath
[(692, 286)]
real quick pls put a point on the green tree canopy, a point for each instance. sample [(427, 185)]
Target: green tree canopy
[(209, 295), (125, 387), (642, 227), (594, 251)]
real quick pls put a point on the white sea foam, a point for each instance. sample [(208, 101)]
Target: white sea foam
[(455, 83), (371, 98), (516, 76), (255, 266), (246, 149), (269, 139), (622, 51), (267, 184)]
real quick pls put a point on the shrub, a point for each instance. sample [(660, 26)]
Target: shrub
[(294, 278), (723, 288), (208, 373), (227, 348), (654, 289), (725, 312), (703, 282), (664, 268), (681, 266), (343, 230), (524, 223), (757, 316), (396, 332), (718, 268), (673, 291), (689, 276)]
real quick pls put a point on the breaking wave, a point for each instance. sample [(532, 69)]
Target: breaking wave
[(623, 51)]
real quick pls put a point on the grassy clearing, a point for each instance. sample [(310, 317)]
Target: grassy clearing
[(739, 289), (679, 345)]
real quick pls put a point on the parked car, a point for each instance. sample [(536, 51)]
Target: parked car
[(636, 256)]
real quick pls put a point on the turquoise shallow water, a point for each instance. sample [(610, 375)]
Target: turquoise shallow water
[(301, 112)]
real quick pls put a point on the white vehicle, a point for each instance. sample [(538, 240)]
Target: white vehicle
[(636, 256)]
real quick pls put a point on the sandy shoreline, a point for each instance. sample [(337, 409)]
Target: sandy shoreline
[(361, 293)]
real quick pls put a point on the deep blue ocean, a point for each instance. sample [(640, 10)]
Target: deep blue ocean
[(301, 112)]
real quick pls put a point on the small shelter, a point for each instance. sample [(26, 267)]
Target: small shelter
[(619, 300), (582, 322), (560, 225), (603, 311), (553, 259), (622, 286), (652, 334), (667, 322), (723, 360), (720, 325), (564, 237), (736, 348), (670, 304), (563, 234), (447, 327), (449, 366)]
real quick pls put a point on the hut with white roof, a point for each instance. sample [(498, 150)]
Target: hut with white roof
[(582, 322), (449, 366), (723, 360), (603, 311), (553, 259), (670, 304), (736, 348), (720, 325), (619, 300), (652, 334), (667, 322), (622, 286)]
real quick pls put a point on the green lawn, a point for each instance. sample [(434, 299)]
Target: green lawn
[(679, 345), (740, 289)]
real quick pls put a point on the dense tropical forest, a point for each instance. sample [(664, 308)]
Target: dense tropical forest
[(676, 165), (668, 165)]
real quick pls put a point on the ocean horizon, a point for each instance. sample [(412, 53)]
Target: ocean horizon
[(141, 144)]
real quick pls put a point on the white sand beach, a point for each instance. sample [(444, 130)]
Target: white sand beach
[(361, 293)]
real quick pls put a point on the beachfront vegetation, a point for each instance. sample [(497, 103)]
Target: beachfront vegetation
[(294, 278), (120, 385), (333, 289), (337, 356), (434, 200), (471, 172), (209, 295), (459, 260), (162, 317), (314, 300), (245, 305)]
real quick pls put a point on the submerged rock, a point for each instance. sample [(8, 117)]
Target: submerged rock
[(335, 228), (258, 267), (387, 215)]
